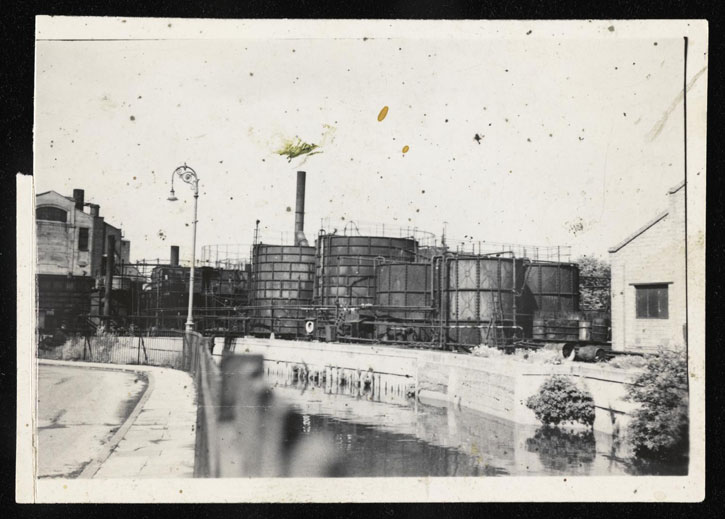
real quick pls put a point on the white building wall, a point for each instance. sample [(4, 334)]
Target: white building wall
[(655, 256), (57, 242)]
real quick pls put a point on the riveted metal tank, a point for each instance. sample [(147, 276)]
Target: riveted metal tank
[(551, 288), (481, 294), (403, 299), (346, 266), (283, 284)]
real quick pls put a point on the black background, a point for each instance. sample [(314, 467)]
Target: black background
[(16, 100)]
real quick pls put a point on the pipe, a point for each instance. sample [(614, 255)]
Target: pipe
[(110, 258), (300, 239)]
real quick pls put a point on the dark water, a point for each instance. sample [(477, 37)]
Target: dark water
[(382, 431)]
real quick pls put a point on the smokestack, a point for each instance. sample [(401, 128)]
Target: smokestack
[(95, 209), (78, 196), (110, 267), (174, 261), (300, 211)]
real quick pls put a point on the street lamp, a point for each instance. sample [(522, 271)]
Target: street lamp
[(189, 176)]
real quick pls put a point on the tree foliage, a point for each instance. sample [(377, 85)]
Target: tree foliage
[(593, 266), (659, 428), (594, 283), (559, 400)]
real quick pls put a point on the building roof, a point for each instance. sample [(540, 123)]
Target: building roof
[(56, 192), (638, 232), (649, 224)]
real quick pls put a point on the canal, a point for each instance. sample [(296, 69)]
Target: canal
[(381, 429)]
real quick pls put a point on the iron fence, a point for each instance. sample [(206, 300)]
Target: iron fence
[(113, 349)]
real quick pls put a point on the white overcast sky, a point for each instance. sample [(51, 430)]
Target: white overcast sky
[(568, 129)]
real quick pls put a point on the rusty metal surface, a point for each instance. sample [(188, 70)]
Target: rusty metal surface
[(346, 266), (283, 280), (404, 295), (551, 288), (481, 291)]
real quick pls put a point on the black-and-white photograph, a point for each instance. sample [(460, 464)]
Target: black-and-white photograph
[(456, 253)]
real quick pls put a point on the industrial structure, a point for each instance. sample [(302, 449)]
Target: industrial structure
[(78, 252), (372, 284)]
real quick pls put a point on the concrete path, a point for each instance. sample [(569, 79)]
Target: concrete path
[(79, 410), (158, 438)]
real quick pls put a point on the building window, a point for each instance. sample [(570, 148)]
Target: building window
[(652, 301), (83, 238), (52, 214)]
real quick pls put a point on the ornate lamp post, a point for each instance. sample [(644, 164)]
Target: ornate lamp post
[(189, 176)]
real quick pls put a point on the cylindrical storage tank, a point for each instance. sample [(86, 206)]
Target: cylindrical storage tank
[(346, 266), (562, 329), (403, 294), (283, 284), (482, 289), (585, 330), (539, 329), (428, 252), (591, 354), (600, 329), (551, 288)]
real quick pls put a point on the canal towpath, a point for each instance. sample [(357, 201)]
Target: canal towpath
[(157, 439)]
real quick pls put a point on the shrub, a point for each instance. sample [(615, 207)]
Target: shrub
[(559, 400), (627, 362), (659, 427), (540, 356)]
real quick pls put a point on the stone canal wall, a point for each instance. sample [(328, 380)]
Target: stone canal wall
[(497, 386), (501, 386)]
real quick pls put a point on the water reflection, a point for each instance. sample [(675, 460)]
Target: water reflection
[(380, 429), (563, 451)]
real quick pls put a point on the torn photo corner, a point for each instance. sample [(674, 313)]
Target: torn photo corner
[(363, 261)]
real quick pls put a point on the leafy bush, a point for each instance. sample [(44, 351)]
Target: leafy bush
[(559, 400), (627, 362), (540, 356), (659, 427)]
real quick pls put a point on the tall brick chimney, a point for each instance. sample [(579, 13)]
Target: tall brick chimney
[(79, 198), (174, 261)]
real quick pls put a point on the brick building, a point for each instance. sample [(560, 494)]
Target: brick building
[(71, 256), (648, 282)]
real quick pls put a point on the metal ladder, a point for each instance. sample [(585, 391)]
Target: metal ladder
[(493, 333)]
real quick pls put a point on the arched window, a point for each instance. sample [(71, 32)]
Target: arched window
[(53, 214)]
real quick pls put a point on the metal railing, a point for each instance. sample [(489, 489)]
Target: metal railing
[(230, 256), (113, 349), (341, 227), (558, 253), (242, 429)]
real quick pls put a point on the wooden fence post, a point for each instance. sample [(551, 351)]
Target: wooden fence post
[(87, 343), (240, 415), (258, 435), (145, 353)]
